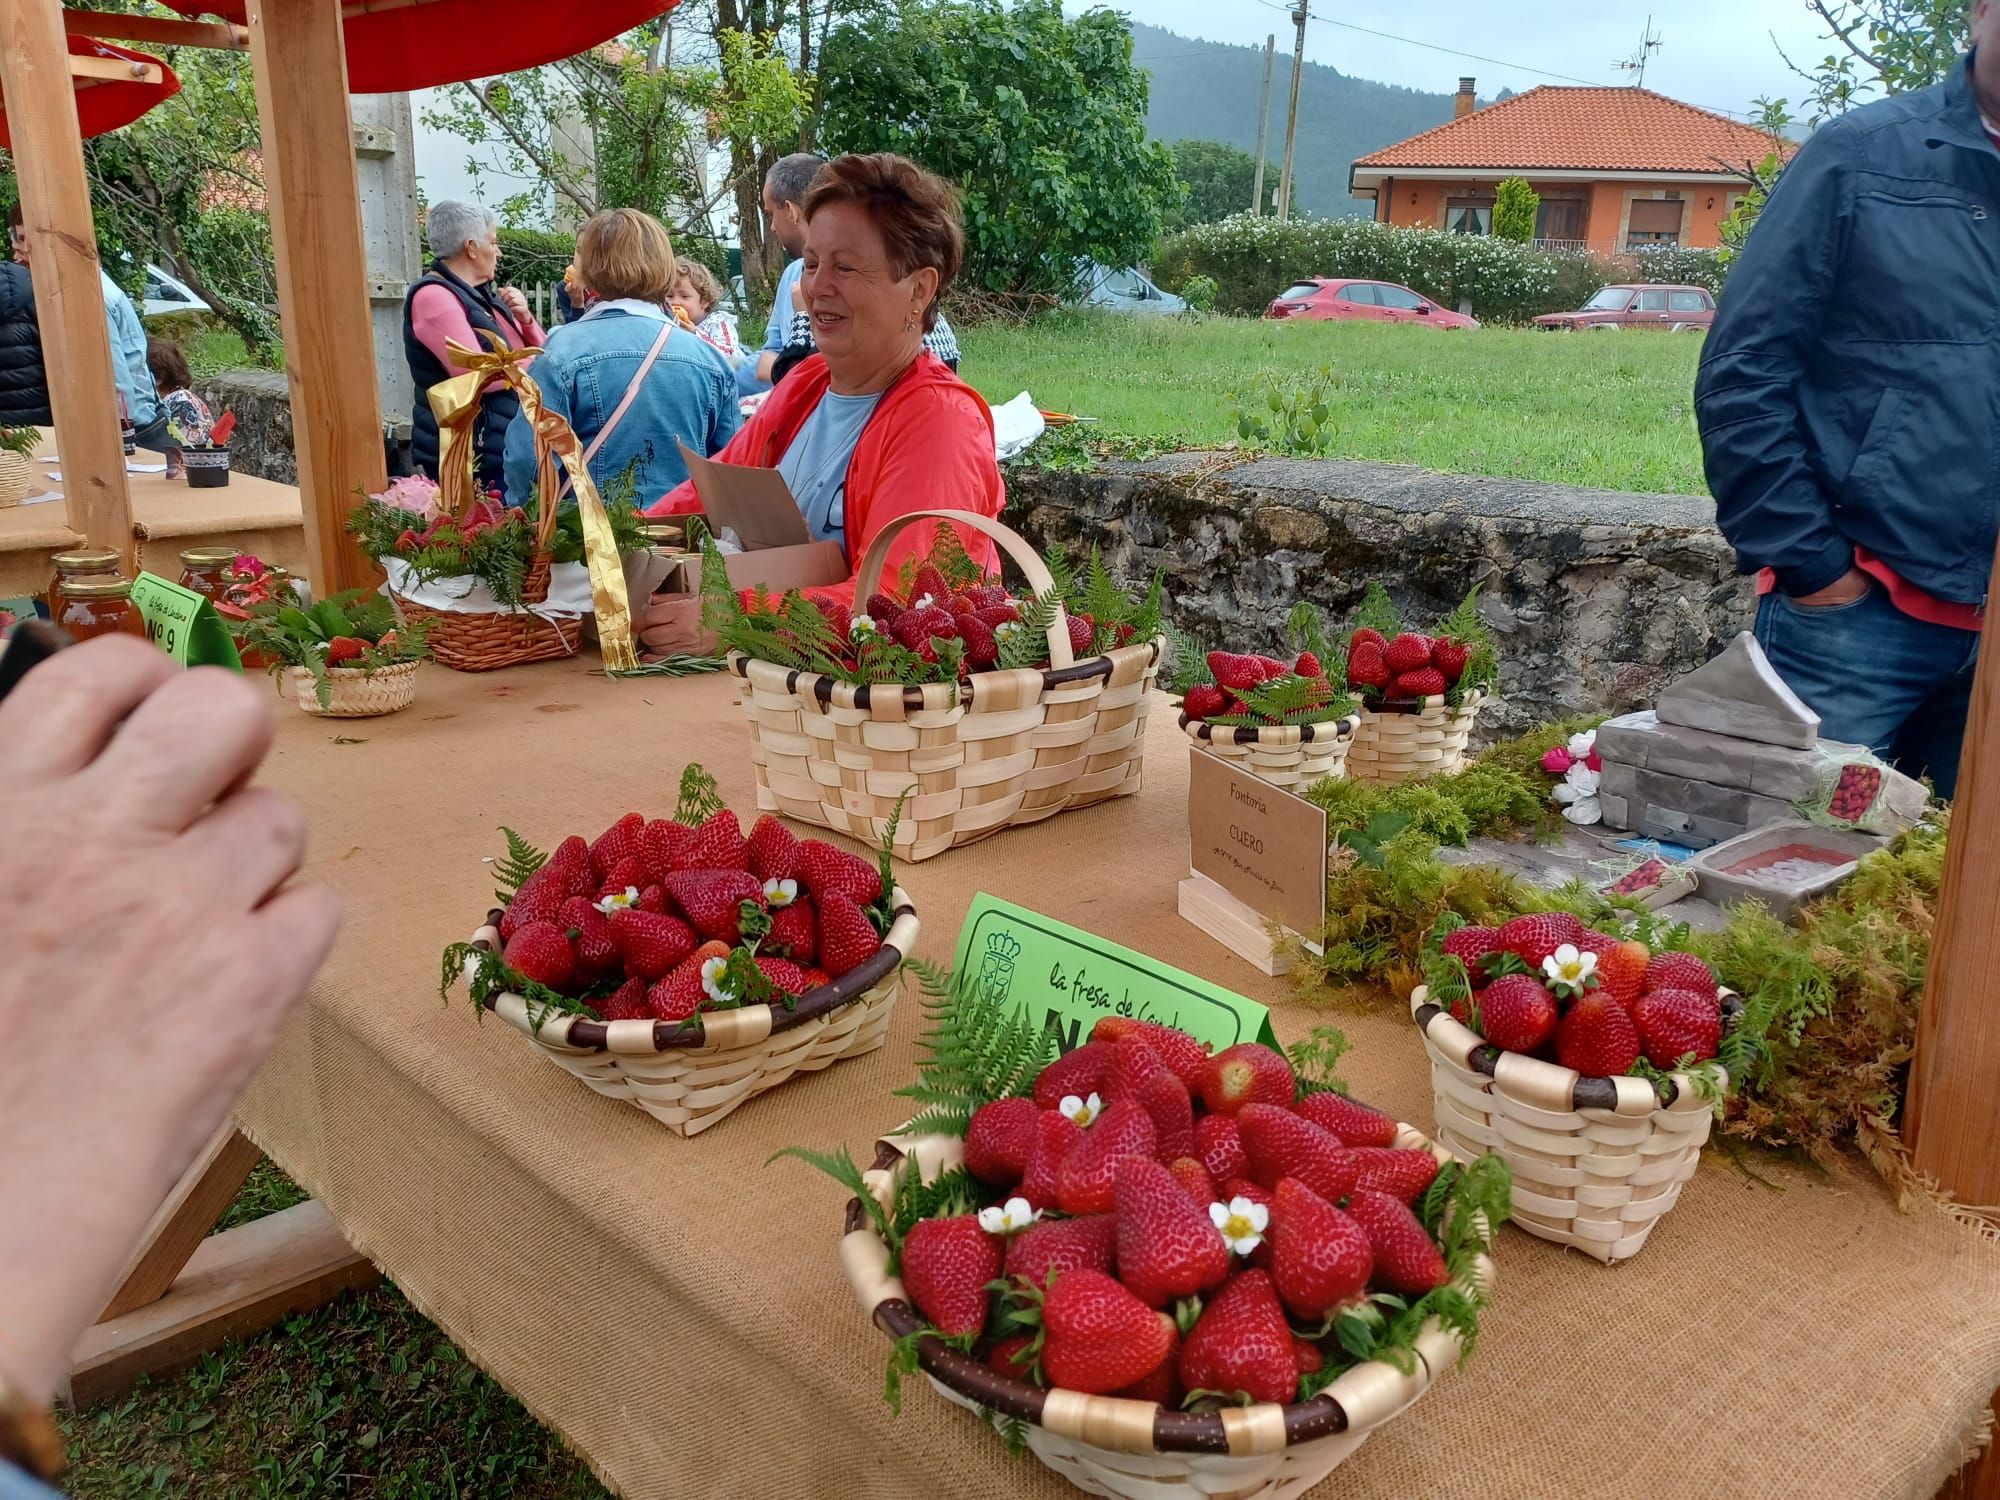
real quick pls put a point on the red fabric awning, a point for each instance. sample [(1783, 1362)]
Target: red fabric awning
[(395, 45), (106, 104)]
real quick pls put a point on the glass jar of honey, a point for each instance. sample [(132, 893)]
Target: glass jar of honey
[(81, 562), (202, 569), (100, 606)]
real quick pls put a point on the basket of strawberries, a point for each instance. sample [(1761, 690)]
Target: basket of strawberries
[(990, 708), (679, 965), (344, 657), (1420, 693), (1164, 1271), (1282, 721), (1592, 1063)]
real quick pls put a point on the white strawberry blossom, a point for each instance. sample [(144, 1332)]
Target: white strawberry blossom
[(926, 602), (617, 900), (1005, 629), (781, 893), (1242, 1222), (1079, 1111), (862, 625), (711, 978), (1569, 968), (1008, 1218)]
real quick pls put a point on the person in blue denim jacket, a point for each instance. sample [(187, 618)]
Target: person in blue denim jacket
[(1849, 402), (589, 368)]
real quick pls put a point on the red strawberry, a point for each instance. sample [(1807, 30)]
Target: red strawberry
[(1535, 936), (405, 539), (982, 648), (998, 615), (719, 845), (1133, 1065), (835, 613), (1166, 1100), (817, 978), (1062, 1246), (847, 939), (1204, 701), (1187, 1057), (1194, 1180), (1081, 633), (787, 978), (570, 864), (929, 583), (1679, 971), (596, 951), (1366, 667), (1271, 667), (1000, 1140), (1470, 944), (1306, 1355), (1167, 1247), (618, 843), (540, 899), (823, 869), (1080, 1073), (1400, 1174), (1367, 635), (1010, 1356), (685, 990), (626, 1003), (1242, 1343), (1425, 682), (1517, 1013), (883, 610), (1084, 1181), (1247, 1073), (651, 944), (1308, 665), (988, 596), (1163, 1386), (1406, 1257), (1320, 1258), (1100, 1338), (772, 850), (946, 1264), (1674, 1023), (1055, 1137), (1219, 1148), (1450, 657), (794, 933), (1621, 971), (713, 900), (1234, 673), (541, 951), (629, 874), (1278, 1144), (343, 648), (1355, 1124), (1597, 1038), (1408, 652), (653, 899), (916, 628)]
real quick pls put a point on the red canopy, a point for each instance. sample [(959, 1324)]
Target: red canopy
[(395, 45), (106, 104)]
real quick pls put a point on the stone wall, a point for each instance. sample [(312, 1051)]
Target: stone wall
[(262, 443), (1596, 599)]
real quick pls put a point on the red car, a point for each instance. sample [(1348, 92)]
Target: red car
[(1337, 298), (1680, 309)]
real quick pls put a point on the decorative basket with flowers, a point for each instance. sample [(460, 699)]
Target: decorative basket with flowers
[(344, 658)]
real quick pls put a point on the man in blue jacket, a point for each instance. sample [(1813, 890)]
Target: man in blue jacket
[(1849, 402), (784, 211)]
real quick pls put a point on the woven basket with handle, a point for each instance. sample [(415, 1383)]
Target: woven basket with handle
[(1426, 737), (1596, 1161), (688, 1077), (355, 694), (998, 750), (1110, 1445), (1292, 756)]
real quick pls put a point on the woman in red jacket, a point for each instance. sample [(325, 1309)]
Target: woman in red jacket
[(872, 427)]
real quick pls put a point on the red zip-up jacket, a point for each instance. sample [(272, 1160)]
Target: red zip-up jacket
[(928, 445)]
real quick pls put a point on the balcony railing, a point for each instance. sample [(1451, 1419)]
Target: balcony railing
[(1542, 242)]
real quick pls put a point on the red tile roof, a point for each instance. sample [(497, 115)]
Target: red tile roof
[(1583, 129)]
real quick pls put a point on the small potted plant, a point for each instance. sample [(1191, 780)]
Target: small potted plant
[(344, 658), (17, 463)]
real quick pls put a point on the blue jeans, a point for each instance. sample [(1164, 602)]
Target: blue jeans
[(1877, 677)]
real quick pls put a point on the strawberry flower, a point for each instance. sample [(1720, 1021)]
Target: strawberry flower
[(711, 979), (618, 900), (1080, 1112), (1010, 1217), (1242, 1222), (781, 893), (1569, 969), (1557, 760), (862, 625)]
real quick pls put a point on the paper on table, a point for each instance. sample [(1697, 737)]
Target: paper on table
[(132, 468), (44, 498), (54, 474)]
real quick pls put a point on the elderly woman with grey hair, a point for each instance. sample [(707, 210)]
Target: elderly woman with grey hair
[(456, 301)]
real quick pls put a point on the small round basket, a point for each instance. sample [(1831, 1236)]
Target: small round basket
[(1111, 1445), (1597, 1162), (17, 477), (688, 1076), (355, 694), (1396, 741), (1292, 756)]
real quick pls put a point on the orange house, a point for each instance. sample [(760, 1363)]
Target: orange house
[(1617, 169)]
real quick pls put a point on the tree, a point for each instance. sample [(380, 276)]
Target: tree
[(1218, 178), (1882, 47), (1514, 207), (1774, 119), (1038, 119)]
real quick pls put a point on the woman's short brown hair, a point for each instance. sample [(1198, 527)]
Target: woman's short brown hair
[(168, 364), (703, 281), (625, 253), (915, 212)]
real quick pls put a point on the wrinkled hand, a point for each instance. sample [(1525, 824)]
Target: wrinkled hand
[(151, 952), (516, 302), (1845, 589)]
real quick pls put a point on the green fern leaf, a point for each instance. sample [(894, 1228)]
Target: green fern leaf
[(521, 860), (701, 797), (975, 1049)]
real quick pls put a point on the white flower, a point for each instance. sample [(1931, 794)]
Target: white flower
[(1242, 1223), (711, 978), (1005, 628), (1581, 745), (1014, 1214), (1581, 780), (1569, 967), (618, 900), (781, 892), (1585, 811), (1080, 1111), (927, 602), (861, 625)]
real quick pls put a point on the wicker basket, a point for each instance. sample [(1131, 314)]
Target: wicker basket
[(1292, 756), (996, 751), (18, 477), (1110, 1445), (1596, 1161), (1426, 737), (689, 1077), (355, 694), (486, 640)]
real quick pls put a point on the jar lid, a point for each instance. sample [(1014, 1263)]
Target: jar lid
[(87, 560), (98, 588), (659, 531), (207, 557)]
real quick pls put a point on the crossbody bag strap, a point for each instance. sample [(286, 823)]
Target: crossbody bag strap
[(624, 403)]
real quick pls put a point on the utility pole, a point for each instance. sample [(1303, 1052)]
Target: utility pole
[(1292, 113), (1263, 127)]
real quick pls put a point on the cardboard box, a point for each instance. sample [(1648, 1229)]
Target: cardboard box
[(756, 505)]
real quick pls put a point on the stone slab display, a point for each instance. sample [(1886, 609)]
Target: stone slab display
[(1740, 694), (1640, 740), (1681, 809)]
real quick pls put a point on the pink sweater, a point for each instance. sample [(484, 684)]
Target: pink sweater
[(438, 318)]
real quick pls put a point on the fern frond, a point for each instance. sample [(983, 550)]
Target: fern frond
[(521, 860), (701, 797), (841, 1168), (1378, 612), (975, 1049), (1305, 629), (885, 861), (1063, 571), (1028, 646), (1187, 661)]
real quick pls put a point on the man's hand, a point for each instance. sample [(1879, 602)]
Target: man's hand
[(516, 302), (1845, 589), (152, 949)]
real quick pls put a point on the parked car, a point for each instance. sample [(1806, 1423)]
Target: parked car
[(167, 294), (1340, 298), (1122, 290), (1681, 309)]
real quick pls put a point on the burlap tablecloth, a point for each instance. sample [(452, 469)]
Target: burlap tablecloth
[(676, 1309)]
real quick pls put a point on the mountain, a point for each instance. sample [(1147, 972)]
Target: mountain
[(1208, 91)]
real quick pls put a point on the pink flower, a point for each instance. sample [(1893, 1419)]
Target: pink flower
[(1557, 760), (247, 566), (413, 493), (1594, 761)]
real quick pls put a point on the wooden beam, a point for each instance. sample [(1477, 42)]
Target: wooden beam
[(69, 297), (161, 31), (315, 207), (115, 70), (184, 1220)]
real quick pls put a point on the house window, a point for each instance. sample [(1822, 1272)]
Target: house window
[(1654, 221), (1559, 219), (1468, 215)]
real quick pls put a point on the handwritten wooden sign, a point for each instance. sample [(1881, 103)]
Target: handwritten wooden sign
[(1259, 842)]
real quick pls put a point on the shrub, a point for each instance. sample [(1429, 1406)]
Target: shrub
[(531, 257), (1690, 267), (1199, 293), (1292, 419), (1514, 205)]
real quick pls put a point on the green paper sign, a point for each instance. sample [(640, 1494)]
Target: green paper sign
[(184, 624), (1076, 978), (21, 608)]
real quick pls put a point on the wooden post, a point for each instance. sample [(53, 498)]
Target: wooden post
[(69, 298), (301, 63)]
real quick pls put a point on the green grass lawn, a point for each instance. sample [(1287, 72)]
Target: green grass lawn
[(1613, 411)]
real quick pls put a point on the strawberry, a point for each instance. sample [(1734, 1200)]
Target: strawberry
[(1055, 1137), (1084, 1181), (1080, 1073), (1133, 1065), (1320, 1258), (847, 939), (822, 869), (989, 596), (541, 951), (1679, 971), (1011, 1357), (772, 851), (982, 647), (817, 978), (628, 874), (1306, 1355), (794, 933), (1204, 701), (1187, 1057), (946, 1264), (998, 615), (1400, 1174), (1517, 1013), (1099, 1337), (1194, 1180), (596, 951), (1538, 934), (787, 978), (1063, 1245), (1165, 1099), (1367, 635), (570, 864), (1355, 1124), (1241, 1343), (916, 628), (929, 583), (620, 842), (685, 990), (1247, 1073), (1597, 1038), (1234, 673), (651, 944), (1163, 1386), (1408, 652), (1675, 1023), (405, 539), (1219, 1148), (712, 900), (626, 1003), (1278, 1144), (1450, 657), (835, 613), (1167, 1248), (1271, 667), (1470, 945), (719, 845), (883, 610), (1621, 971), (1425, 682), (653, 898), (540, 899), (344, 648), (1081, 633), (1406, 1257), (1000, 1140), (1308, 665), (1367, 667)]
